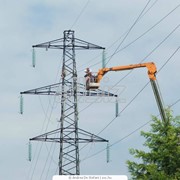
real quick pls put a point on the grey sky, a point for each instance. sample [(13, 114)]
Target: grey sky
[(24, 23)]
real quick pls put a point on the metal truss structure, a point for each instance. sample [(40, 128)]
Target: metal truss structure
[(69, 134)]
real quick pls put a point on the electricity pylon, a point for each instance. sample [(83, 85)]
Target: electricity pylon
[(69, 134)]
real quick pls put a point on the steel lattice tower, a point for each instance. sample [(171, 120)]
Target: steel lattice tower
[(69, 112), (69, 134)]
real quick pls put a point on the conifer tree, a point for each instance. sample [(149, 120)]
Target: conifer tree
[(162, 160)]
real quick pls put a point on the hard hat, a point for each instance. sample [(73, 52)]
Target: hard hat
[(87, 70)]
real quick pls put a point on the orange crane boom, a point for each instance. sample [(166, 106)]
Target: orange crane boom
[(151, 73), (150, 66)]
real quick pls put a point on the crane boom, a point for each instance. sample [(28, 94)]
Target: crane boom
[(152, 76), (158, 100), (150, 66)]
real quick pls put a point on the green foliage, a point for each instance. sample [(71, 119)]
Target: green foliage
[(162, 161)]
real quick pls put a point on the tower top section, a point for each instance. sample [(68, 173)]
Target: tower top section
[(58, 43)]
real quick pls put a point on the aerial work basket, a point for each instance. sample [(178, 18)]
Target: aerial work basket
[(91, 83)]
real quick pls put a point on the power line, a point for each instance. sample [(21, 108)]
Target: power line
[(150, 53), (169, 58), (152, 27), (135, 22), (45, 112), (50, 162), (147, 30), (128, 105), (142, 15), (46, 118), (130, 102), (80, 14), (130, 73), (51, 157), (76, 20), (82, 11), (173, 104), (118, 141), (36, 161), (142, 60), (140, 91)]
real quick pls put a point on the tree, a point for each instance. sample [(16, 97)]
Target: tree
[(162, 161)]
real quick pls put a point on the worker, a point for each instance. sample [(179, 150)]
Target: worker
[(89, 76)]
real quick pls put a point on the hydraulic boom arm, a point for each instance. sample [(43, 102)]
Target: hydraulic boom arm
[(152, 76), (150, 66)]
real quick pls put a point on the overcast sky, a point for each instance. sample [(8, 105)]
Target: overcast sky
[(102, 22)]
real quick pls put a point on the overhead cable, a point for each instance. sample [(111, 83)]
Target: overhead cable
[(152, 27), (127, 106)]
